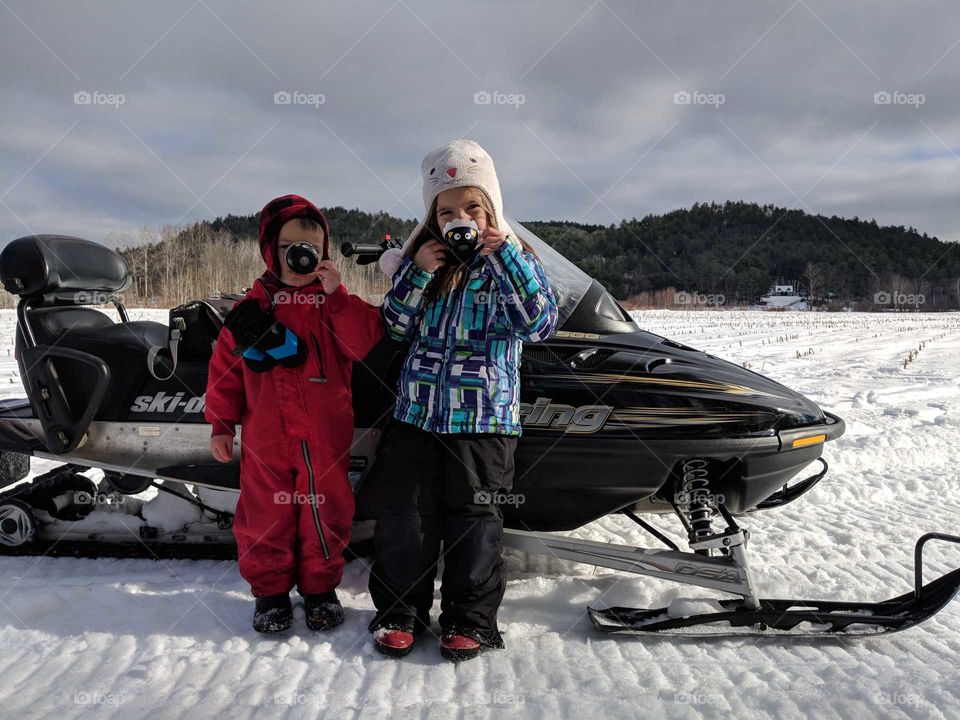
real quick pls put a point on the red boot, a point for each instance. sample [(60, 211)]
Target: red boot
[(459, 647), (393, 642)]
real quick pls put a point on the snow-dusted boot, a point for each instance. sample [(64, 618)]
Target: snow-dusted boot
[(273, 614), (459, 647), (392, 641), (323, 611)]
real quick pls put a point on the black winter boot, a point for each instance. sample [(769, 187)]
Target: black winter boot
[(273, 614), (323, 611)]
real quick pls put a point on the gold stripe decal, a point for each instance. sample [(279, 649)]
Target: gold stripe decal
[(727, 388)]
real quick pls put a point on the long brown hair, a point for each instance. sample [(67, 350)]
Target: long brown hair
[(449, 276)]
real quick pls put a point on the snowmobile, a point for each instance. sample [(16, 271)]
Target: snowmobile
[(615, 420)]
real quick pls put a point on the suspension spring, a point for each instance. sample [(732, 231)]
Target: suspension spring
[(696, 499)]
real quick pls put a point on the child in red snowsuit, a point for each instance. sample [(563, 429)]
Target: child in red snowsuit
[(293, 403)]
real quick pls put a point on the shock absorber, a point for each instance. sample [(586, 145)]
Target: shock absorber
[(696, 500)]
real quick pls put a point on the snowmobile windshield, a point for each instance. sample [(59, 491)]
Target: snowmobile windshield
[(569, 283)]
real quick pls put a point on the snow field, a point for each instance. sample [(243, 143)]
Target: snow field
[(135, 638)]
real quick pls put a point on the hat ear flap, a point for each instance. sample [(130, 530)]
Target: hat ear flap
[(390, 261)]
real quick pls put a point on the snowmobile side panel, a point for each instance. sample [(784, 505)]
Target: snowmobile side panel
[(139, 448), (563, 483)]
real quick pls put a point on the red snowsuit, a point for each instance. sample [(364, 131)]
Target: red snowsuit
[(297, 429)]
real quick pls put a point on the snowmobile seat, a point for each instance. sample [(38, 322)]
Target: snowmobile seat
[(77, 364), (57, 278), (95, 332), (122, 347)]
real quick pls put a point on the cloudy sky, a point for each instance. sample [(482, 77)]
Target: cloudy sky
[(121, 115)]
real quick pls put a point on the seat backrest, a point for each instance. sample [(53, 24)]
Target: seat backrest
[(38, 265)]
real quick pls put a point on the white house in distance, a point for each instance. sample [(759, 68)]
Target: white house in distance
[(783, 296)]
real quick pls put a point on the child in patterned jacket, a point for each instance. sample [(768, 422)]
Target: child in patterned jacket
[(450, 445)]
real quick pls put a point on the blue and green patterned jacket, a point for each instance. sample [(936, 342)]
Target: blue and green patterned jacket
[(462, 374)]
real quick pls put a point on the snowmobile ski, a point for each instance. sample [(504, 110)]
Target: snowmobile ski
[(796, 618)]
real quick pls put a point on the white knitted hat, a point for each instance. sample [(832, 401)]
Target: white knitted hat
[(461, 163)]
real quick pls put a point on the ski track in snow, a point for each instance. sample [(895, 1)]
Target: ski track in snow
[(169, 639)]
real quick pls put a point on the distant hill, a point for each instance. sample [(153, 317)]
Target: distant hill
[(736, 250), (739, 249)]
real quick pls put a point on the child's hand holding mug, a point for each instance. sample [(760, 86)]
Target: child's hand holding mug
[(431, 256), (491, 240), (329, 275)]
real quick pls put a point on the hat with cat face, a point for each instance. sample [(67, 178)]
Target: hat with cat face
[(461, 163)]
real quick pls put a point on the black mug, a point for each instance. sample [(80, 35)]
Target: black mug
[(302, 258), (461, 238)]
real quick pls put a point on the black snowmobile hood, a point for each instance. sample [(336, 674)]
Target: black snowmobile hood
[(650, 365)]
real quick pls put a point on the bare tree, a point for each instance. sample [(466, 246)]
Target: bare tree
[(813, 273), (899, 287)]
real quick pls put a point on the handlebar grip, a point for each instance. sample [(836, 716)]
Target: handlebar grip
[(349, 249)]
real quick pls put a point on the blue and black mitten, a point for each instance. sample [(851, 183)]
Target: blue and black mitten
[(263, 341)]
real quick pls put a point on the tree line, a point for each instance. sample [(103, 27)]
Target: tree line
[(738, 250), (735, 251)]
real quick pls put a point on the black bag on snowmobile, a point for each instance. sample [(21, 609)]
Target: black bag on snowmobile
[(194, 327)]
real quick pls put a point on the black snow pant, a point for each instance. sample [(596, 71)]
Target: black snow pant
[(441, 488)]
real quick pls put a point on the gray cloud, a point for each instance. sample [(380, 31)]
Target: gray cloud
[(599, 119)]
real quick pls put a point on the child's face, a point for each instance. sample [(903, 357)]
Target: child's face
[(461, 203), (290, 234)]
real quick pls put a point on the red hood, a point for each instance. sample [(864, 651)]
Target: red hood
[(278, 211)]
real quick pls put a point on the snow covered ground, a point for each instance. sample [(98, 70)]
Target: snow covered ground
[(140, 638)]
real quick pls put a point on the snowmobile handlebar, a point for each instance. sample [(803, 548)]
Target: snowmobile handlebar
[(366, 253)]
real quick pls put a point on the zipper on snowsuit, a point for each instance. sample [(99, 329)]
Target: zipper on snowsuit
[(313, 500), (323, 373)]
